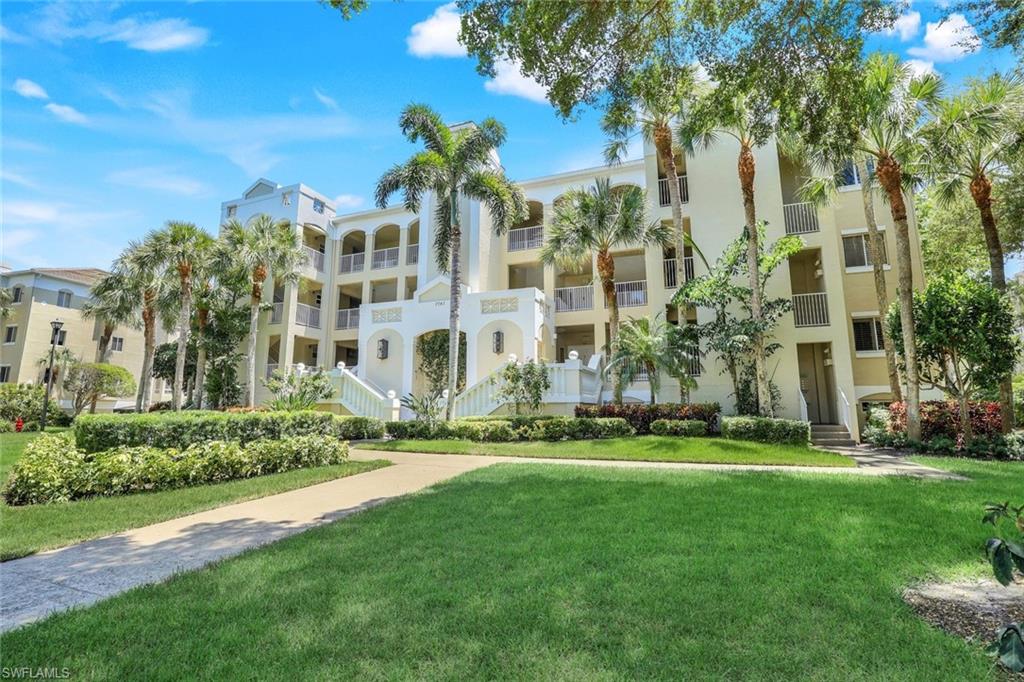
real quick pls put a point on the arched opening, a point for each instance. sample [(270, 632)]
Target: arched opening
[(431, 360), (385, 247), (353, 252)]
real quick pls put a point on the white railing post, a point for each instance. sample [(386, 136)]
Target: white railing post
[(803, 406), (525, 238), (316, 258), (412, 254), (810, 310), (800, 218), (347, 318), (631, 294), (568, 299), (352, 262), (385, 258), (307, 315), (844, 410), (665, 199)]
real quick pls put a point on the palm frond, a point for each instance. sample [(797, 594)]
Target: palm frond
[(419, 121)]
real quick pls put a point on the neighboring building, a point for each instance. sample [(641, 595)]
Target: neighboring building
[(41, 295), (374, 287)]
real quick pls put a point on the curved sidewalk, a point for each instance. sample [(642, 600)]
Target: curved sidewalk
[(81, 574)]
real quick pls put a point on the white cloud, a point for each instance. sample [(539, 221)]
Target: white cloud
[(58, 22), (437, 35), (30, 89), (66, 113), (920, 67), (348, 201), (946, 41), (29, 212), (7, 175), (15, 239), (159, 179), (163, 35), (509, 80), (9, 36), (906, 26), (326, 100)]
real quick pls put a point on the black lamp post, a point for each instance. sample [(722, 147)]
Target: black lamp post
[(55, 326)]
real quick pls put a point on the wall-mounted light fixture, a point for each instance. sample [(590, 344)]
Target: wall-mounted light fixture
[(498, 342), (382, 349)]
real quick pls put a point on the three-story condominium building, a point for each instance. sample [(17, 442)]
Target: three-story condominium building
[(373, 288)]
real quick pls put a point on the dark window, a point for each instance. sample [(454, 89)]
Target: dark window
[(62, 336), (867, 334), (856, 253), (11, 334), (17, 294), (5, 374)]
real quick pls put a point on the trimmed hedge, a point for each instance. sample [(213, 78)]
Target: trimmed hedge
[(679, 427), (505, 430), (767, 430), (97, 432), (641, 415), (53, 469)]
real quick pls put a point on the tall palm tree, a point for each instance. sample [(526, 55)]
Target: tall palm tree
[(113, 303), (598, 220), (968, 141), (649, 347), (145, 277), (736, 119), (182, 247), (652, 101), (454, 164), (267, 249)]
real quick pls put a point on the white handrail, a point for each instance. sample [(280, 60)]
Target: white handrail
[(359, 397), (803, 406), (568, 299), (844, 410), (412, 254), (307, 315), (800, 218), (385, 258), (665, 199), (571, 382), (670, 271), (316, 258), (810, 310), (347, 318), (352, 262), (631, 294), (525, 238)]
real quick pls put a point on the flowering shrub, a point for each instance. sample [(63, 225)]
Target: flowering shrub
[(942, 418), (640, 415)]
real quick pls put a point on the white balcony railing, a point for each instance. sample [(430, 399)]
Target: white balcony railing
[(385, 258), (810, 310), (352, 262), (665, 199), (348, 318), (800, 218), (670, 271), (568, 299), (412, 254), (277, 313), (631, 294), (525, 238), (307, 315), (315, 259)]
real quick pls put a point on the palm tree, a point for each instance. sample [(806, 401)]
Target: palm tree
[(456, 163), (734, 118), (596, 221), (182, 247), (652, 101), (648, 347), (6, 299), (267, 249), (967, 143), (114, 303)]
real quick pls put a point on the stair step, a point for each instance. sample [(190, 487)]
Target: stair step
[(828, 428)]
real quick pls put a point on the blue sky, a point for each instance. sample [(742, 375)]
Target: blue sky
[(118, 117)]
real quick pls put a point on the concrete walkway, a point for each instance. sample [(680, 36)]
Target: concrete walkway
[(78, 575)]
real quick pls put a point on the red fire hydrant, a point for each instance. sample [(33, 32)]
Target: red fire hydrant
[(19, 424)]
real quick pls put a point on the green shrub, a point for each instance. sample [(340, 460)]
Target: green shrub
[(498, 431), (54, 470), (412, 429), (6, 427), (570, 428), (641, 415), (505, 429), (22, 400), (766, 430), (358, 428), (679, 427), (517, 421)]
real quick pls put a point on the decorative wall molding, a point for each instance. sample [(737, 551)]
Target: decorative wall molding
[(387, 315), (507, 304)]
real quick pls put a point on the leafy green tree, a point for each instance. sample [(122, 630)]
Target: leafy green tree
[(432, 354), (650, 347), (294, 391), (598, 220), (114, 303), (6, 298), (998, 22), (89, 382), (269, 250), (165, 362), (965, 339), (182, 248), (523, 385), (726, 292), (454, 164), (426, 407)]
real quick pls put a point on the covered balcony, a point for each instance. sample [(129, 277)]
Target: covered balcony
[(529, 233), (385, 247), (352, 257), (664, 195), (574, 291), (800, 217), (669, 267), (347, 314), (810, 301), (412, 250), (525, 276), (314, 244), (630, 280), (307, 308)]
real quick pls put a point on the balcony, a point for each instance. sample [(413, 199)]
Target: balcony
[(800, 218), (307, 315), (412, 254), (385, 258), (810, 310), (352, 262), (314, 258), (670, 271), (631, 294), (526, 238), (665, 199), (569, 299), (277, 313), (348, 318)]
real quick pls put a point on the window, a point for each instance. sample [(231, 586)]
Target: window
[(856, 253), (11, 334), (16, 294), (286, 199), (867, 334), (117, 343), (64, 298), (849, 176), (62, 336), (5, 374), (232, 211), (318, 206)]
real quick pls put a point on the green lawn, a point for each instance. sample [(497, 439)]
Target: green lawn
[(643, 448), (33, 528), (547, 572)]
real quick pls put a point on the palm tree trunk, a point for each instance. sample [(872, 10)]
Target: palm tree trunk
[(144, 395), (202, 315), (258, 276), (184, 322), (663, 145), (876, 249), (746, 169), (453, 305), (981, 192), (103, 347), (606, 272), (889, 175)]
